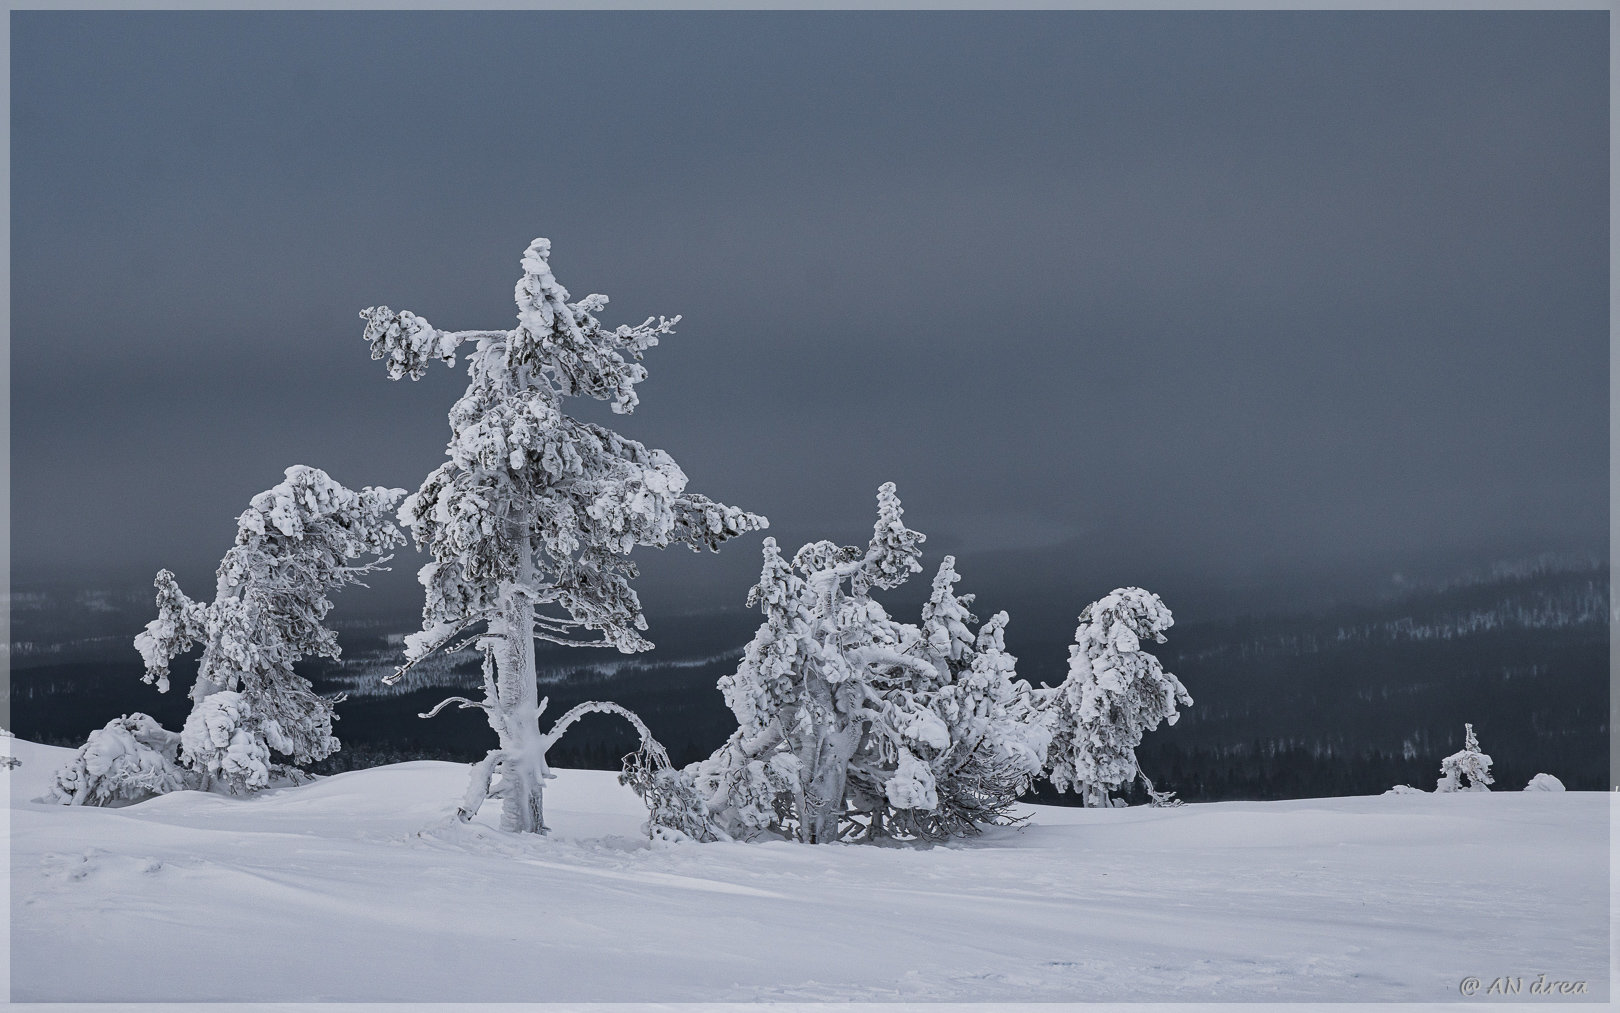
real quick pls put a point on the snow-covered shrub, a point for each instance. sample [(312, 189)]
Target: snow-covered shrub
[(1468, 765), (8, 762), (294, 545), (854, 726), (535, 509), (1544, 782), (132, 758), (1114, 694), (1405, 789)]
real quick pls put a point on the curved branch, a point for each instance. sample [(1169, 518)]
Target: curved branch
[(886, 656), (462, 702), (648, 743)]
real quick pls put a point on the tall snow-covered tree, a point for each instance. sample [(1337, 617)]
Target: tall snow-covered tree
[(531, 520), (851, 725), (1468, 765), (295, 544), (1114, 694)]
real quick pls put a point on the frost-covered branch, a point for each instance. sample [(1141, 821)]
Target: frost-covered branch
[(462, 704), (421, 646), (565, 722)]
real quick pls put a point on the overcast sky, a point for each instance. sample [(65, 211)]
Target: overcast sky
[(1182, 300)]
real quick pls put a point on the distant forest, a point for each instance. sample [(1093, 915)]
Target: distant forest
[(1347, 702)]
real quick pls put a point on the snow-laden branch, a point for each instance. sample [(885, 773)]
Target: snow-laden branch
[(420, 648), (878, 656)]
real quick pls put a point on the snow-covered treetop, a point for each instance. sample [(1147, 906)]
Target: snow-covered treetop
[(808, 595), (1124, 617), (945, 617), (530, 496), (308, 524), (888, 559), (1468, 763), (776, 585), (293, 544), (893, 554), (562, 347)]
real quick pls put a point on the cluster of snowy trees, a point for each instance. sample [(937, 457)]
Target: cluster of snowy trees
[(851, 725), (1469, 769)]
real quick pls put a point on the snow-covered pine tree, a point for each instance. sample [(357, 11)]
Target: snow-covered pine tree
[(1115, 693), (1467, 764), (537, 510), (854, 726), (294, 545), (806, 693)]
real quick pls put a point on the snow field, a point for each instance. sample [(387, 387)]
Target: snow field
[(359, 887)]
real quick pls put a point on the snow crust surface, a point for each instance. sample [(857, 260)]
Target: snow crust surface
[(358, 887)]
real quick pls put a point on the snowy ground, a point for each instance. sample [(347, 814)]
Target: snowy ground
[(358, 888)]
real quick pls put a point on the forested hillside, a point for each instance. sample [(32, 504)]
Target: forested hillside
[(1350, 700)]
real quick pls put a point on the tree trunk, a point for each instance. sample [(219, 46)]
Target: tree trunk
[(828, 784), (515, 711)]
